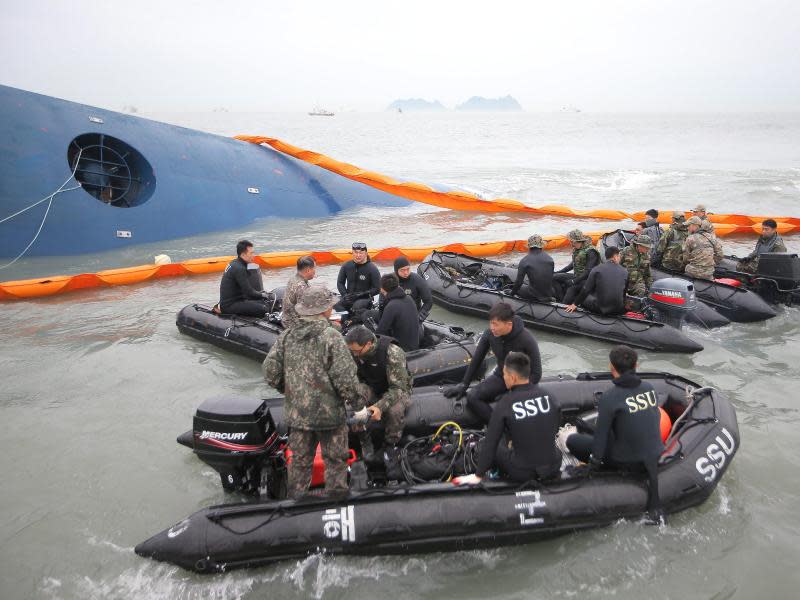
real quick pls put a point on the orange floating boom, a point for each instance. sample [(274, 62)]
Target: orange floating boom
[(61, 284), (458, 200)]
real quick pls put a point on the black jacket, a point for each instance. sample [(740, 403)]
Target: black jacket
[(354, 278), (518, 339), (530, 415), (239, 283), (538, 267), (628, 422), (400, 320), (416, 287), (607, 282)]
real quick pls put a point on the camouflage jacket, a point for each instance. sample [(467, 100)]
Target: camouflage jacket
[(702, 250), (311, 364), (397, 375), (294, 288), (580, 259), (670, 248), (638, 266), (708, 225)]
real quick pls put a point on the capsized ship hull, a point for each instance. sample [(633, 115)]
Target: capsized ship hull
[(144, 181)]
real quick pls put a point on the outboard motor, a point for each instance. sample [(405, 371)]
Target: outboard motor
[(238, 439), (670, 300)]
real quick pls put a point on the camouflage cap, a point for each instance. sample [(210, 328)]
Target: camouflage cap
[(678, 215), (699, 208), (315, 300), (694, 221), (576, 235), (643, 240), (535, 241)]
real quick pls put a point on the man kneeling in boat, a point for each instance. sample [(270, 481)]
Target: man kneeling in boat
[(506, 334), (628, 430), (604, 291), (241, 291), (526, 419), (382, 367)]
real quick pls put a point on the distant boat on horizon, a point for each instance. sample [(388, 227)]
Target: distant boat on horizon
[(570, 108), (320, 112)]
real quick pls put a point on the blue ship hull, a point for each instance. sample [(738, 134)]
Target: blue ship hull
[(144, 181)]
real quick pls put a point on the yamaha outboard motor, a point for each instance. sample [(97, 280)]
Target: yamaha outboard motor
[(238, 439), (670, 300)]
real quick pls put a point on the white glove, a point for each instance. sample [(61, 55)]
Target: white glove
[(467, 480), (362, 416)]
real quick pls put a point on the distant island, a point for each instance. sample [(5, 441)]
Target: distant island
[(507, 103), (410, 104)]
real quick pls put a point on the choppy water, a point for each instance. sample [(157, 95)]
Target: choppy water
[(96, 385)]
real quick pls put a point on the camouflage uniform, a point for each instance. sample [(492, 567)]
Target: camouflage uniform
[(749, 264), (710, 226), (311, 364), (638, 264), (670, 247), (396, 400), (701, 252), (294, 289)]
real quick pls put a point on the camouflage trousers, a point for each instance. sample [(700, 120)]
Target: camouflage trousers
[(335, 451), (748, 266), (394, 417), (636, 287), (705, 272), (672, 264)]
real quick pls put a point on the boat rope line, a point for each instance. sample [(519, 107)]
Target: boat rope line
[(61, 284), (60, 190), (460, 200)]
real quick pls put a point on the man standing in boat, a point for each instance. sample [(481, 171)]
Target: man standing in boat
[(528, 417), (414, 286), (241, 291), (636, 259), (306, 270), (652, 228), (584, 259), (770, 241), (537, 266), (669, 253), (701, 250), (358, 278), (506, 333), (312, 366)]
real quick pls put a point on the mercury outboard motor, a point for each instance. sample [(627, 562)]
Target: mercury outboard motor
[(670, 300), (238, 439)]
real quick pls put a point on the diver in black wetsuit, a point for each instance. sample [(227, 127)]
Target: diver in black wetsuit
[(604, 290), (241, 291), (358, 280), (537, 266), (526, 415), (506, 334), (415, 286), (399, 319), (628, 431)]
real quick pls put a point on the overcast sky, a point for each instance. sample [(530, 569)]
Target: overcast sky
[(247, 55)]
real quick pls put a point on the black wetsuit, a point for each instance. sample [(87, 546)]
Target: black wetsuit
[(419, 290), (628, 430), (518, 339), (400, 319), (529, 417), (604, 290), (356, 279), (537, 266), (241, 290)]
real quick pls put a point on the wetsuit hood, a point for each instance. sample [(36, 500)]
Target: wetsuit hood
[(628, 380), (400, 262)]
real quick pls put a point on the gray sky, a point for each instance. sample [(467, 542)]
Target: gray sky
[(599, 55)]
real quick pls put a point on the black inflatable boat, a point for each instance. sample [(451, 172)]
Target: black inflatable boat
[(472, 286), (445, 355), (726, 297), (777, 280), (400, 518)]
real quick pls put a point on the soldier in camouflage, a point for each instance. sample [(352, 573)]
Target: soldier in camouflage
[(770, 241), (306, 270), (669, 253), (312, 366), (382, 367), (699, 211), (636, 258), (701, 250), (584, 259)]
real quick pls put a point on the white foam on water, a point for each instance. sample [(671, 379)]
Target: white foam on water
[(50, 588)]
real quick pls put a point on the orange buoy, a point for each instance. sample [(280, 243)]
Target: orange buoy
[(666, 424)]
